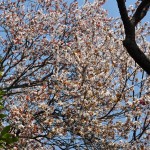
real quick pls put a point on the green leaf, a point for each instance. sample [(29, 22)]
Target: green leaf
[(1, 73), (1, 107), (9, 139), (14, 139), (2, 116), (6, 136), (1, 141), (1, 94), (5, 130)]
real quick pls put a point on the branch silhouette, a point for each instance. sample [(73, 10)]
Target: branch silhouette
[(129, 25)]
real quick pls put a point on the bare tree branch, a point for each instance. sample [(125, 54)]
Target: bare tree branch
[(141, 12), (129, 25)]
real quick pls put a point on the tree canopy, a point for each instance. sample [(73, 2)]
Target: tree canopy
[(68, 75)]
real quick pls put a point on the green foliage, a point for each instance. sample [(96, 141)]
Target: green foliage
[(6, 138), (1, 94)]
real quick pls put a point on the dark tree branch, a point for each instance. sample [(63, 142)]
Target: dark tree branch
[(135, 52), (141, 12), (129, 25), (129, 28), (26, 85), (145, 127)]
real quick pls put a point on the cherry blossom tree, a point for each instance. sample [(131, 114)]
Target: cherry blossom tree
[(69, 81)]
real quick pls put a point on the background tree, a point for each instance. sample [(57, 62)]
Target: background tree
[(69, 82)]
